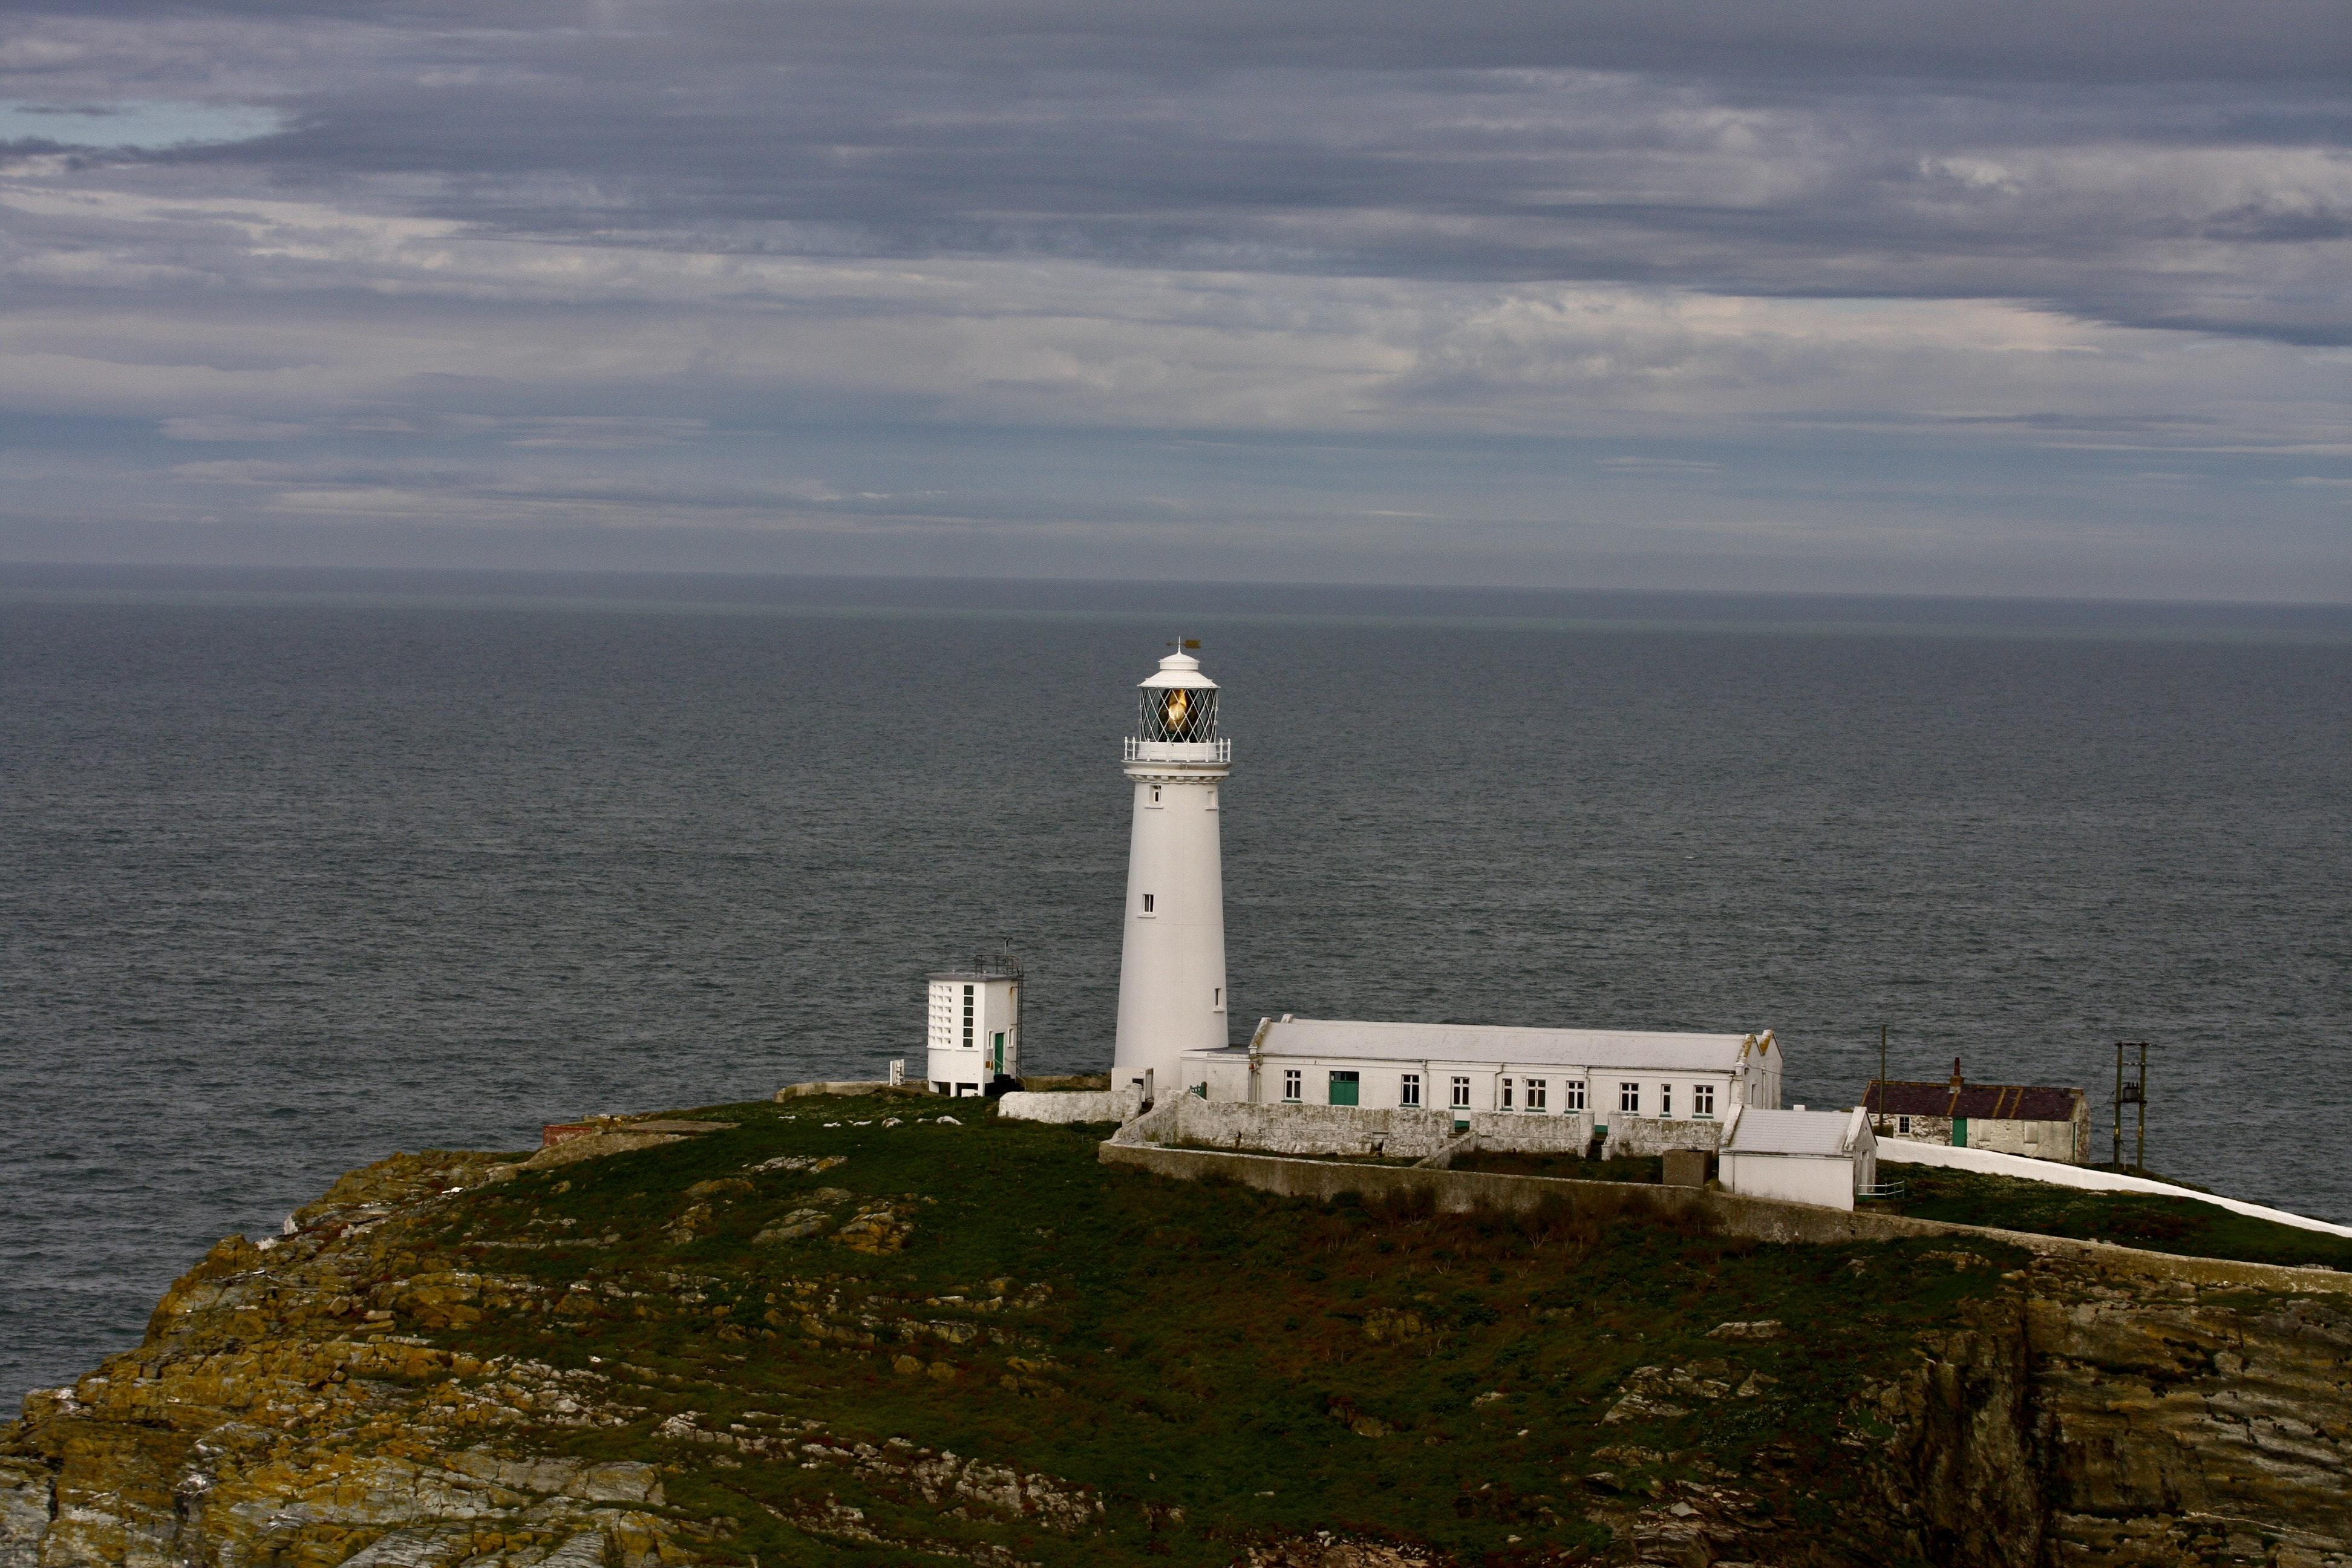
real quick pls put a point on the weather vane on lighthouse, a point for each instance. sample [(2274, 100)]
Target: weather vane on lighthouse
[(1171, 974)]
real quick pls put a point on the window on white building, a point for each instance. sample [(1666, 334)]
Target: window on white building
[(1666, 1100), (1903, 1126), (1155, 794), (1291, 1080), (1539, 1092), (1571, 1095), (1147, 903), (1702, 1099), (1461, 1093), (1409, 1089), (1629, 1098), (1506, 1095), (967, 1018)]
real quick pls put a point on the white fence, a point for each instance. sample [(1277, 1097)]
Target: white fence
[(1897, 1149)]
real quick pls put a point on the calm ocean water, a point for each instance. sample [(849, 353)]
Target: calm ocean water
[(299, 871)]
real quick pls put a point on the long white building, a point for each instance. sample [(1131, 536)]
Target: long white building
[(1635, 1090)]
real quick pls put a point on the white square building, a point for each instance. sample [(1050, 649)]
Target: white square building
[(974, 1028), (1825, 1157)]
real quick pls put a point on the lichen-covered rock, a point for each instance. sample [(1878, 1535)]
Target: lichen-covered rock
[(646, 1364), (26, 1494)]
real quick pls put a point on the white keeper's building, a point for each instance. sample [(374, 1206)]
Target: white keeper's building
[(1633, 1091)]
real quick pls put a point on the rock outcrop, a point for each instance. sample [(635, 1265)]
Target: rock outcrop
[(347, 1397)]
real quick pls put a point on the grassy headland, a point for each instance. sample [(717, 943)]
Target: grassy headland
[(1218, 1367)]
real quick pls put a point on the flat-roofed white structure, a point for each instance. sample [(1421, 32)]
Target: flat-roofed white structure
[(974, 1028), (1800, 1156), (1638, 1090)]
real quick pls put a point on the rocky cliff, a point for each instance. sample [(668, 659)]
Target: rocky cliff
[(867, 1331)]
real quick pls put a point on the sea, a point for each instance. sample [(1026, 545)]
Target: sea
[(301, 868)]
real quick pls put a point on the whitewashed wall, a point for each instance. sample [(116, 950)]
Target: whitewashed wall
[(1792, 1178)]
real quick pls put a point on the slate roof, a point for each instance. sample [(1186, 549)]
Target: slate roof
[(1630, 1051), (1986, 1101), (1789, 1132)]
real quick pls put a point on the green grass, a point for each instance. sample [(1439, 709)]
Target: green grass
[(1203, 1346), (2129, 1219)]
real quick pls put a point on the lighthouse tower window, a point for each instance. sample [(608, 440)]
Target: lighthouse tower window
[(1155, 794), (1147, 903)]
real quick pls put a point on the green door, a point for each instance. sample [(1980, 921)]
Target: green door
[(1960, 1132), (1343, 1088), (1000, 1051)]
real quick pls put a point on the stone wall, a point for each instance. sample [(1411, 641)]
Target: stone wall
[(1065, 1081), (1656, 1134), (1515, 1132), (1305, 1129), (1075, 1106)]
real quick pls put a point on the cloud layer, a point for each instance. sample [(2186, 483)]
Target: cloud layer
[(1997, 297)]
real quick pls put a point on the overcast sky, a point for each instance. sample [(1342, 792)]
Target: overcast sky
[(2035, 297)]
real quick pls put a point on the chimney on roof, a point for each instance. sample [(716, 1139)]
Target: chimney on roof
[(1956, 1075)]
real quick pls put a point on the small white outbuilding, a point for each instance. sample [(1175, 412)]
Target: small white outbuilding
[(1799, 1156), (975, 1033)]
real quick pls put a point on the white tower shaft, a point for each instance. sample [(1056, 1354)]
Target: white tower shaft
[(1171, 977)]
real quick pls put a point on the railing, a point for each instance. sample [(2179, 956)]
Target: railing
[(1217, 751), (1890, 1192)]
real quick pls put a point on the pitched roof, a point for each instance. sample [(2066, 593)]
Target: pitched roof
[(1987, 1101), (1789, 1132), (1631, 1050)]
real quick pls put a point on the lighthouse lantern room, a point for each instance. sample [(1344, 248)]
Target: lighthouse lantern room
[(1172, 976), (975, 1026)]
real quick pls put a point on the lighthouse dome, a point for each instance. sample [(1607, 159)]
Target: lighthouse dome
[(1179, 669)]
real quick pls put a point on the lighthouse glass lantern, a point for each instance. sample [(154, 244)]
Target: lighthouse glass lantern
[(1171, 977)]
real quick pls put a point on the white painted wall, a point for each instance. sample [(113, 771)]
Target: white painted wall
[(996, 1006), (1172, 972), (1897, 1151), (1380, 1086), (1068, 1105), (1827, 1180)]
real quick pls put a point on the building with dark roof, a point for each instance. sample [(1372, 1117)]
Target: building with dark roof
[(2034, 1120)]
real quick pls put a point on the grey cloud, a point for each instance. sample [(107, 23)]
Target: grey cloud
[(2064, 40), (604, 256)]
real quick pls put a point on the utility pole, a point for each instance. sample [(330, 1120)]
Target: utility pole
[(2132, 1093), (1880, 1125)]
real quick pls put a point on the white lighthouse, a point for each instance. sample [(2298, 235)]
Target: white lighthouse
[(1172, 972)]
